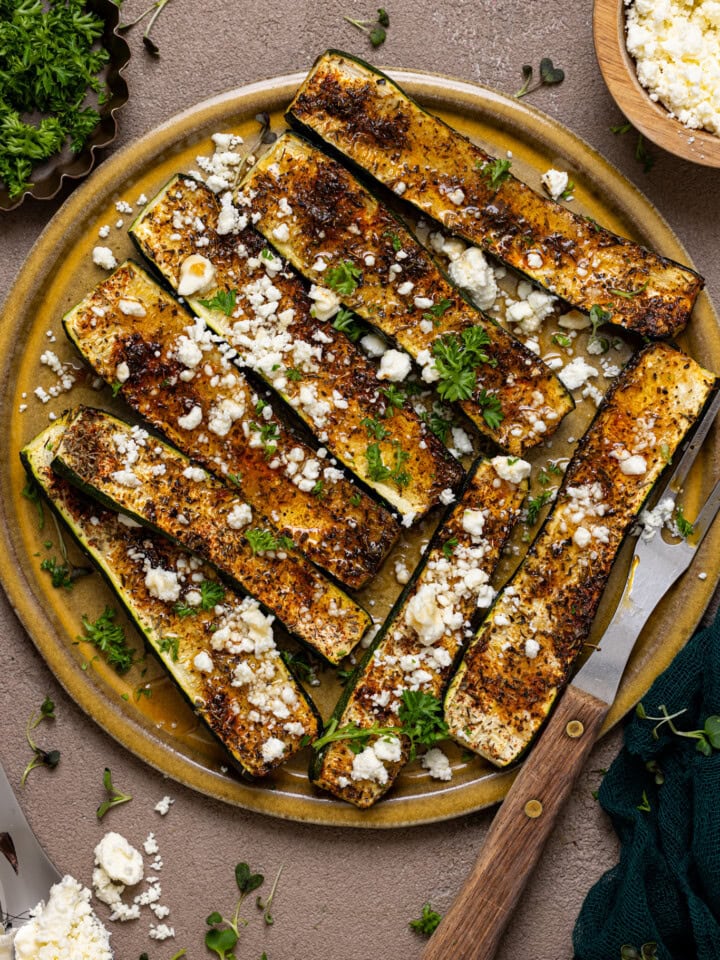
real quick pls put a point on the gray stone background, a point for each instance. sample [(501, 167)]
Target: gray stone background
[(344, 895)]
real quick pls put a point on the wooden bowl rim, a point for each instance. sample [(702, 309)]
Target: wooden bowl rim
[(649, 117)]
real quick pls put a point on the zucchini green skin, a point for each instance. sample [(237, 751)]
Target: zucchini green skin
[(343, 531), (336, 220), (369, 119), (524, 652), (146, 479), (119, 552), (334, 369), (375, 688)]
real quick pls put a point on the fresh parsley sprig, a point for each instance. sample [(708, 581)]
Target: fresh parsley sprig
[(41, 758), (347, 323), (265, 541), (343, 278), (110, 639), (457, 359), (419, 719), (224, 300), (379, 471), (114, 796), (495, 172)]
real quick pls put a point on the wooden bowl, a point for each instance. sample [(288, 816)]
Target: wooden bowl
[(650, 118)]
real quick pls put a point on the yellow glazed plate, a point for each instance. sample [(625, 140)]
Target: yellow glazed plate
[(161, 728)]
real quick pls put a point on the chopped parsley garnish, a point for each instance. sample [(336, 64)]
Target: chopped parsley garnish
[(492, 413), (439, 421), (448, 547), (685, 528), (428, 921), (378, 471), (171, 645), (561, 340), (110, 639), (264, 541), (294, 374), (395, 398), (50, 62), (235, 479), (457, 359), (347, 323), (436, 311), (343, 278), (495, 171), (60, 574), (535, 505), (356, 499), (269, 435), (394, 239), (31, 492), (212, 593), (224, 300), (115, 387), (375, 428), (629, 294), (318, 489)]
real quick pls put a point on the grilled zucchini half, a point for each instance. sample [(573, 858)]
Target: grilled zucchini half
[(340, 236), (428, 626), (139, 339), (369, 119), (222, 656), (128, 470), (263, 309), (524, 651)]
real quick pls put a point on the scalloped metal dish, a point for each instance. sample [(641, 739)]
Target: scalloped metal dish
[(59, 271), (49, 176)]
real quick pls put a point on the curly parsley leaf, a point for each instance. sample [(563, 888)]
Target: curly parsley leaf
[(343, 278), (110, 639), (428, 921), (264, 541), (224, 300), (457, 359)]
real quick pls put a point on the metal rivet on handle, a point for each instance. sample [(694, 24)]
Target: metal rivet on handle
[(575, 729), (533, 809)]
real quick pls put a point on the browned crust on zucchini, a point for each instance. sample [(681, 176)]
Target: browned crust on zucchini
[(334, 215), (147, 479), (120, 552), (525, 650), (340, 528), (367, 117), (342, 369), (451, 557)]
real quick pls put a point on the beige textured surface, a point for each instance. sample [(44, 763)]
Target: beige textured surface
[(343, 895)]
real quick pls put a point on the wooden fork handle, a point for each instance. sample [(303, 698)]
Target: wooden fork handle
[(472, 928)]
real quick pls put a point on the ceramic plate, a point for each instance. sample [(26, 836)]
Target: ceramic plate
[(162, 729)]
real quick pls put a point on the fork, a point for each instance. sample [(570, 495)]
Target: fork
[(472, 928)]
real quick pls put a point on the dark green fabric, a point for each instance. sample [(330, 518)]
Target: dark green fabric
[(666, 886)]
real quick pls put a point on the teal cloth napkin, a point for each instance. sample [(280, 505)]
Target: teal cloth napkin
[(666, 887)]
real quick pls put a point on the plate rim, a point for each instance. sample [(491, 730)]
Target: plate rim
[(445, 802)]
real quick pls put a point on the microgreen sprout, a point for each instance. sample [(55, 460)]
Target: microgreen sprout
[(148, 43), (41, 758), (648, 951), (550, 75), (225, 933), (114, 797), (708, 738), (375, 29), (599, 317), (265, 904)]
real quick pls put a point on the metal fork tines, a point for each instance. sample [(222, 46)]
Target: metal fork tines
[(656, 565)]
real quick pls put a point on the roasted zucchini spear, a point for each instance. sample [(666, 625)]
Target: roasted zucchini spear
[(368, 118), (140, 340), (524, 651), (341, 237), (217, 646), (127, 470), (419, 641), (264, 311)]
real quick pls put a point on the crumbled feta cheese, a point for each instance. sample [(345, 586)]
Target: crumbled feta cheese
[(122, 372), (555, 182), (132, 308), (394, 366), (281, 233), (192, 419), (163, 806), (447, 496), (64, 928), (367, 766), (511, 469), (326, 302), (373, 345), (388, 749), (203, 662), (272, 749), (437, 763), (239, 516), (163, 584), (634, 466), (104, 257), (197, 275), (532, 648), (473, 522), (120, 861), (475, 276), (576, 373), (655, 519)]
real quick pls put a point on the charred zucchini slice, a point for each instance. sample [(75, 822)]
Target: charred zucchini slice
[(140, 340), (366, 117), (428, 626), (524, 651), (223, 657), (127, 470), (263, 310), (341, 237)]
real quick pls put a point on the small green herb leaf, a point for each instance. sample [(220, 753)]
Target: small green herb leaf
[(224, 300), (221, 942), (685, 528), (343, 278), (114, 796), (495, 172), (110, 639), (247, 881), (427, 922), (263, 541)]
